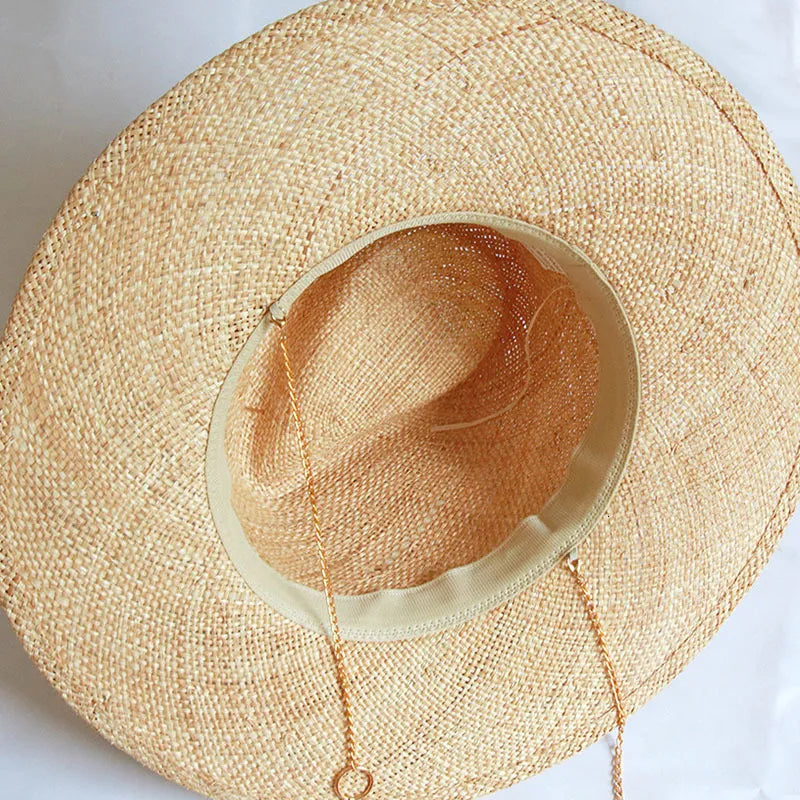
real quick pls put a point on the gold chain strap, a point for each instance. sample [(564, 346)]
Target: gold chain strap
[(573, 565), (342, 675), (351, 763)]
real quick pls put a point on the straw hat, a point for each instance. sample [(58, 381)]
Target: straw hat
[(461, 336)]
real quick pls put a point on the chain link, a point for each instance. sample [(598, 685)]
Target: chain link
[(337, 646), (343, 677), (573, 565)]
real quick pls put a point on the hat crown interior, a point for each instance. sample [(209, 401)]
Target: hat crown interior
[(468, 386), (445, 376)]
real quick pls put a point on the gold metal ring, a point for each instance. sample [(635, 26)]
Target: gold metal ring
[(365, 773)]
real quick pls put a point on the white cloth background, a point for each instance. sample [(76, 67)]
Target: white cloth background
[(73, 73)]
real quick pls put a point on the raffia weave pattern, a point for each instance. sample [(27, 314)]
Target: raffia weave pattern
[(571, 115), (446, 378)]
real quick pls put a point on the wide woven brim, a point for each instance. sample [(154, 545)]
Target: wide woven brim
[(344, 118)]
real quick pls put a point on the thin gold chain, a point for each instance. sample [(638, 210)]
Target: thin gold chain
[(343, 677), (573, 565)]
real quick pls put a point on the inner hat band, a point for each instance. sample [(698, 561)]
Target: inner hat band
[(538, 540)]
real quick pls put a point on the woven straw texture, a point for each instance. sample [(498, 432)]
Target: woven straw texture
[(344, 118), (442, 408)]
